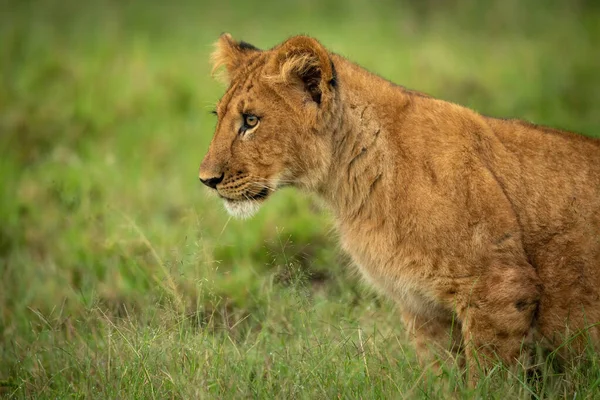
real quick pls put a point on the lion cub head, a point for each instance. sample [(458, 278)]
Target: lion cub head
[(274, 121)]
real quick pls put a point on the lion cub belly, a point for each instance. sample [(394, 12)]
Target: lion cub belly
[(396, 271), (408, 293)]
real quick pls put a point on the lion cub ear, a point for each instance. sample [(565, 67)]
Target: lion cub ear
[(302, 61), (230, 54)]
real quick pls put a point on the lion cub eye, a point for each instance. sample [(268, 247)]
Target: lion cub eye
[(250, 121)]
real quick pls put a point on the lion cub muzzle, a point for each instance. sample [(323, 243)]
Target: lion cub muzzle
[(241, 192)]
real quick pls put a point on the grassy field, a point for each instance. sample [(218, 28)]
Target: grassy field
[(122, 278)]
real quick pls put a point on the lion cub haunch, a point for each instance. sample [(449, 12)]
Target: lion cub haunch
[(487, 226)]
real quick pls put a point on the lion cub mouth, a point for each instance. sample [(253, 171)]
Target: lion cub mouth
[(260, 195)]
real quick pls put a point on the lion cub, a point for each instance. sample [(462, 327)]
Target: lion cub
[(485, 231)]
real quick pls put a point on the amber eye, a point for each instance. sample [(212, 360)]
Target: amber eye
[(250, 121)]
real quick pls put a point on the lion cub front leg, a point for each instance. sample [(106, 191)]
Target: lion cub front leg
[(497, 312), (437, 338)]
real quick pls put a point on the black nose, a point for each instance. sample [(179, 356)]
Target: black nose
[(213, 182)]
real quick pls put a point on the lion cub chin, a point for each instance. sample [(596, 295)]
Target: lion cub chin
[(485, 231), (242, 209)]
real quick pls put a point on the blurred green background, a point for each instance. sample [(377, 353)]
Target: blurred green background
[(123, 277)]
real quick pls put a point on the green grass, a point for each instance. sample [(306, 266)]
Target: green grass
[(123, 278)]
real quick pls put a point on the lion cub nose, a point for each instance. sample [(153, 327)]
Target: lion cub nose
[(212, 182)]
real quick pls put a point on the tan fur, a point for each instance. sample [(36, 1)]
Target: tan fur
[(484, 227)]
